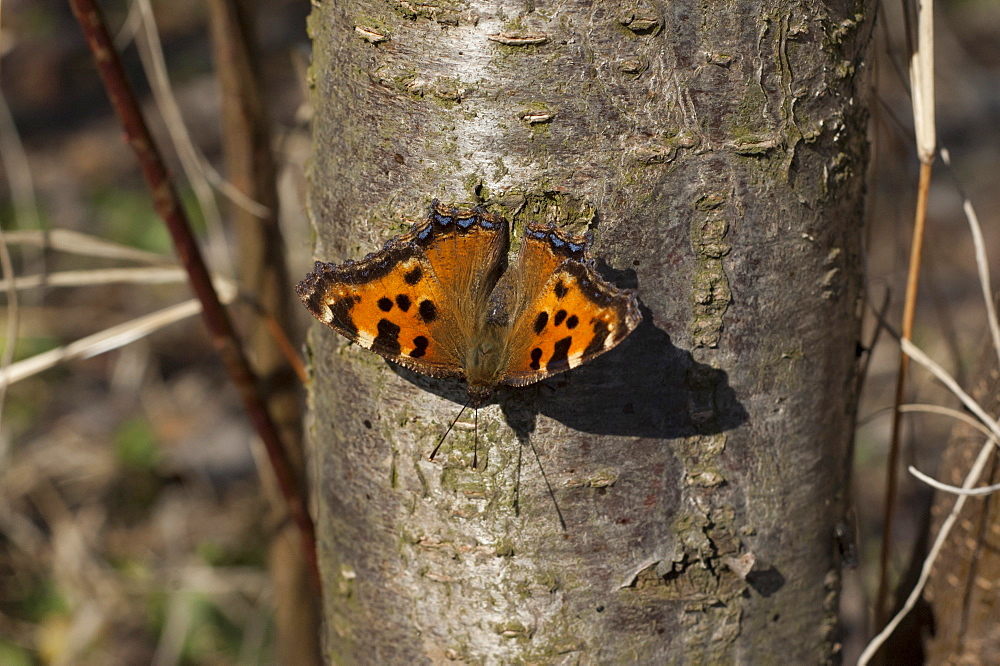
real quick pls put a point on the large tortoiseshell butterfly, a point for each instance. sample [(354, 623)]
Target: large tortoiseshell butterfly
[(441, 300)]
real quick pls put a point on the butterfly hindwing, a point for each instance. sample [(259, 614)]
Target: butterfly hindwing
[(569, 317)]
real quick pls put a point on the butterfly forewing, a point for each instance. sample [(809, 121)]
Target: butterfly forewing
[(566, 318), (471, 249), (395, 301)]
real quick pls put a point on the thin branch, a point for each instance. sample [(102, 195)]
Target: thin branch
[(169, 207), (285, 346), (870, 347), (892, 472), (922, 90)]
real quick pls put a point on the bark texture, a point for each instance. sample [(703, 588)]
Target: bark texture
[(717, 154)]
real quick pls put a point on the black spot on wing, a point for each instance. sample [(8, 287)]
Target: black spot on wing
[(561, 289), (317, 295), (384, 304), (601, 333), (427, 311), (572, 322), (387, 340), (340, 314), (559, 317), (413, 276), (560, 354), (536, 357), (403, 302), (540, 321), (420, 344)]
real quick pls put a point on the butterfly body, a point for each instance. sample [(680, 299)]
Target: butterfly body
[(441, 300)]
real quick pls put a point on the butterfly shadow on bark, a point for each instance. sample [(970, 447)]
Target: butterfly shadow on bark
[(646, 387)]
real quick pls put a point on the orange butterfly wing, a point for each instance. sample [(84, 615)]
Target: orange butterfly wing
[(564, 314), (394, 302)]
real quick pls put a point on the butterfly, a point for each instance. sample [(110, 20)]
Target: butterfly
[(441, 300)]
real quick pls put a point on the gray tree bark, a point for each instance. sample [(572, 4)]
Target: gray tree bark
[(678, 499)]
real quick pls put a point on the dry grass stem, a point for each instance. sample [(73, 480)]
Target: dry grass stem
[(930, 409), (922, 83), (949, 412), (920, 357), (98, 276), (106, 340), (192, 162), (970, 480), (982, 263), (15, 163), (922, 88), (954, 490), (199, 171), (13, 319), (86, 245)]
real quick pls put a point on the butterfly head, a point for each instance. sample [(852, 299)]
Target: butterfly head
[(479, 394)]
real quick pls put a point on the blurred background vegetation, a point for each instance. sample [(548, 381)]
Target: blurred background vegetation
[(131, 514), (131, 525)]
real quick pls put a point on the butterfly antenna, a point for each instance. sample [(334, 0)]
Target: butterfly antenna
[(450, 426), (475, 440)]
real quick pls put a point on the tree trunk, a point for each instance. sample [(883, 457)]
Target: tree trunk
[(962, 593), (678, 497)]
